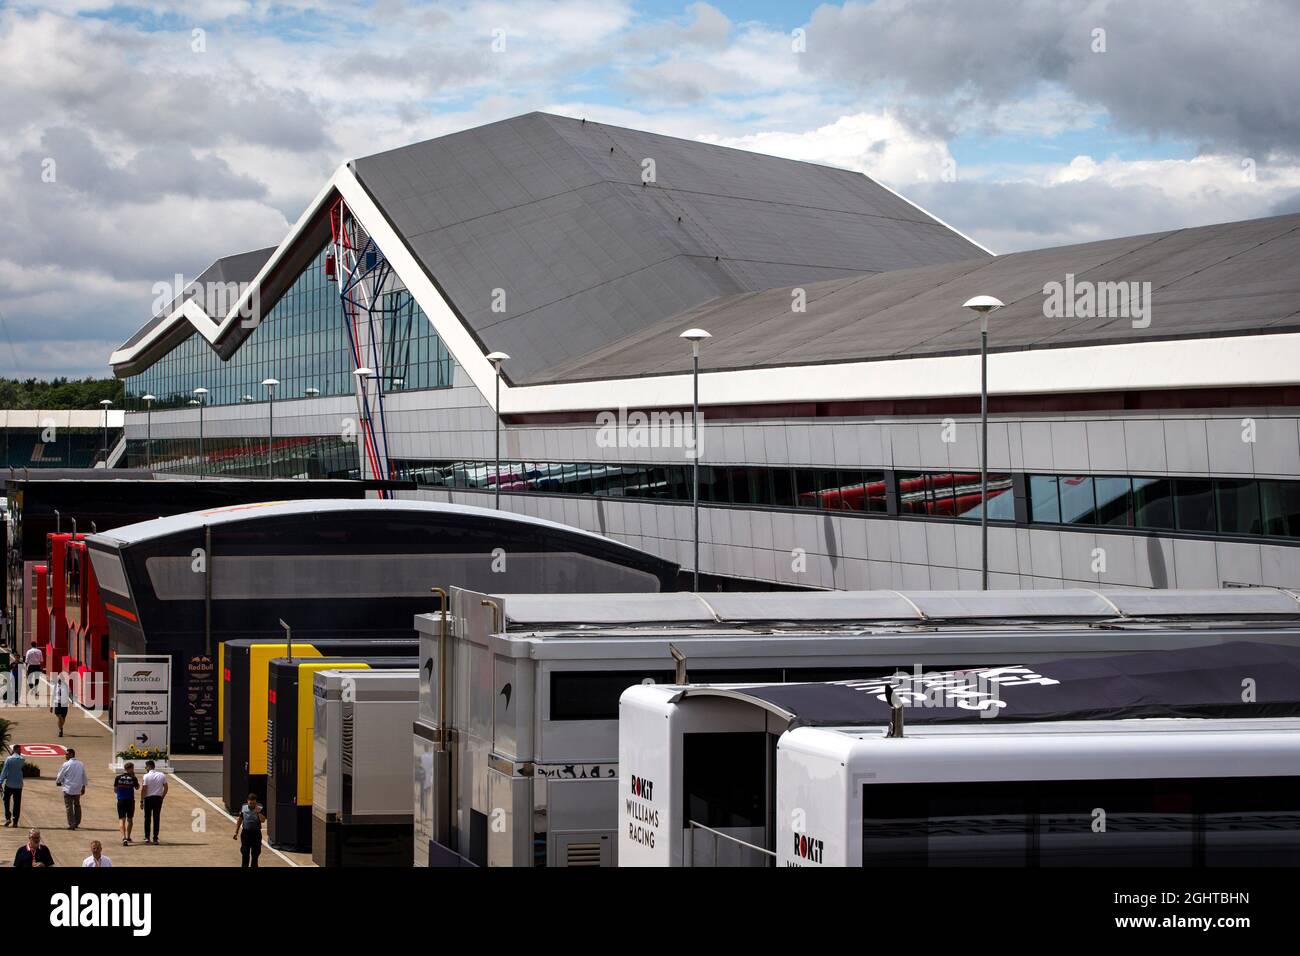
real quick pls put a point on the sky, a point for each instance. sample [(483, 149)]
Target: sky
[(142, 140)]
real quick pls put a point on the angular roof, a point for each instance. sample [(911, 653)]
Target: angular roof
[(1236, 278), (554, 212), (238, 268)]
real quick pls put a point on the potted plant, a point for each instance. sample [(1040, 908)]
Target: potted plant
[(138, 755)]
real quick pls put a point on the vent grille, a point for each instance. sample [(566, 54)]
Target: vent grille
[(347, 740), (270, 748), (582, 854)]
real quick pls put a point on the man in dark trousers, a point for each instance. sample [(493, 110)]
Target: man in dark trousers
[(248, 831), (33, 852), (11, 779), (152, 790)]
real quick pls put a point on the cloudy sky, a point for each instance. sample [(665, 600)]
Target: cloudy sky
[(139, 140)]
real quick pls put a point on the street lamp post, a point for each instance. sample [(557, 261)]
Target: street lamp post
[(983, 305), (105, 403), (148, 430), (695, 337), (496, 358), (201, 392), (270, 384)]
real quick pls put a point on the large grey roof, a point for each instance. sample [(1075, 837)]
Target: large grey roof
[(1236, 278), (553, 211)]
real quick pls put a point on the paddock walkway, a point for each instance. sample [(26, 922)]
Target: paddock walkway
[(196, 831)]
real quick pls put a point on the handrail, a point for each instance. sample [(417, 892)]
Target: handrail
[(726, 836)]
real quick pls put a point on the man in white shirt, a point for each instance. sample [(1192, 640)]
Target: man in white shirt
[(153, 787), (96, 858), (72, 778), (35, 661)]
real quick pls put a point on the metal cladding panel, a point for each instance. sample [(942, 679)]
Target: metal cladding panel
[(554, 211), (1231, 602), (811, 606), (524, 610), (965, 605)]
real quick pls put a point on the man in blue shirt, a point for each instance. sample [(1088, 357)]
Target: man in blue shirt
[(11, 779)]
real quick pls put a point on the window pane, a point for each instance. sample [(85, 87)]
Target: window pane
[(1114, 501), (783, 492), (1044, 504), (1153, 502), (1078, 506), (1194, 504), (1237, 502), (913, 496), (874, 499), (1148, 823), (1281, 505)]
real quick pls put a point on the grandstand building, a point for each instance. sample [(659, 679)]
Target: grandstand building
[(1143, 390)]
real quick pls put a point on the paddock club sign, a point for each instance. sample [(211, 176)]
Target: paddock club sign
[(142, 703)]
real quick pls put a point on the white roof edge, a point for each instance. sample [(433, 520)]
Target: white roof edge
[(172, 524)]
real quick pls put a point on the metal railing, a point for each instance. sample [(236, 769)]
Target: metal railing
[(767, 856)]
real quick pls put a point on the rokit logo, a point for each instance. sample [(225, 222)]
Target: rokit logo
[(807, 848), (76, 909), (643, 817)]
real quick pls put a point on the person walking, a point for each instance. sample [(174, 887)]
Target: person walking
[(72, 778), (152, 790), (8, 694), (33, 852), (59, 700), (125, 784), (248, 831), (96, 858), (11, 778), (35, 661)]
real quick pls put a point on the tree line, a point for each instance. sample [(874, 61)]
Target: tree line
[(59, 393)]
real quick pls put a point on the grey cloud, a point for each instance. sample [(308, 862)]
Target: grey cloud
[(1012, 217), (1222, 75), (154, 171)]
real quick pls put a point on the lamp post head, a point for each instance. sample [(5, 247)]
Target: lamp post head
[(270, 382), (982, 305), (195, 401), (148, 398), (106, 402), (364, 372), (695, 337), (312, 392), (247, 398), (496, 358)]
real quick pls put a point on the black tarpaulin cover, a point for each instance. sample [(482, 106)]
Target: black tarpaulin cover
[(1221, 680)]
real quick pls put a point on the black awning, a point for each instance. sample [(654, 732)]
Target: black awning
[(1221, 680)]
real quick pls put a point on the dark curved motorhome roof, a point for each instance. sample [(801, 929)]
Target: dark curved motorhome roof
[(259, 511), (1199, 682)]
